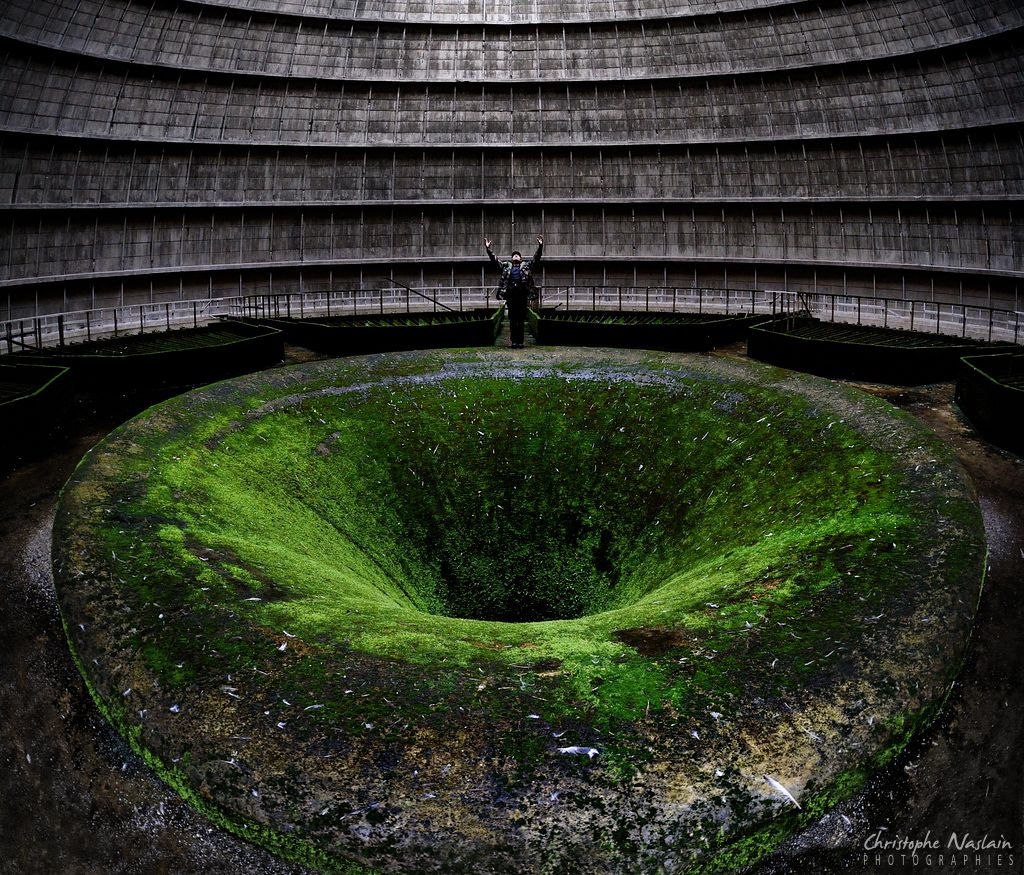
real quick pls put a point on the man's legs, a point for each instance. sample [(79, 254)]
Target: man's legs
[(517, 322)]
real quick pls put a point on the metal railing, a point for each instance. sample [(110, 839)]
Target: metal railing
[(958, 320), (355, 302), (81, 326), (672, 299), (932, 317), (952, 319)]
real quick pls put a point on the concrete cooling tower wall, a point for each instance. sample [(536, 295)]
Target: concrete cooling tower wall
[(186, 149)]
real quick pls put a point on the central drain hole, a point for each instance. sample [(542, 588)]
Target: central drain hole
[(522, 567)]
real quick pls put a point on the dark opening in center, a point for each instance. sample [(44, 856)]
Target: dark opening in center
[(527, 569)]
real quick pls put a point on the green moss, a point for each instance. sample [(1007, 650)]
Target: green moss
[(414, 521)]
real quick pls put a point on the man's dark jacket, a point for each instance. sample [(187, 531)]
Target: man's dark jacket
[(517, 295)]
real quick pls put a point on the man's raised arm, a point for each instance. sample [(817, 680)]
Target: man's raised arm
[(490, 254)]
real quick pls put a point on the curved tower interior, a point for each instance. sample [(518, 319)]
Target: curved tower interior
[(462, 609), (180, 150)]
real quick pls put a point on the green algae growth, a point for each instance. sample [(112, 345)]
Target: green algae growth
[(446, 607)]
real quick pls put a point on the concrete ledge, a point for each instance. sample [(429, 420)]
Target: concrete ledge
[(883, 355), (368, 333), (34, 401), (139, 364), (632, 330), (990, 392)]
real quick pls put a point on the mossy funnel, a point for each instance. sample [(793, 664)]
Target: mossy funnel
[(484, 611)]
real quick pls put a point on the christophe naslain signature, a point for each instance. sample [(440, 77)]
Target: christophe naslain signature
[(958, 850)]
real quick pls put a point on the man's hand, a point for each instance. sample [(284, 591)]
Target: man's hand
[(540, 239), (487, 243)]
